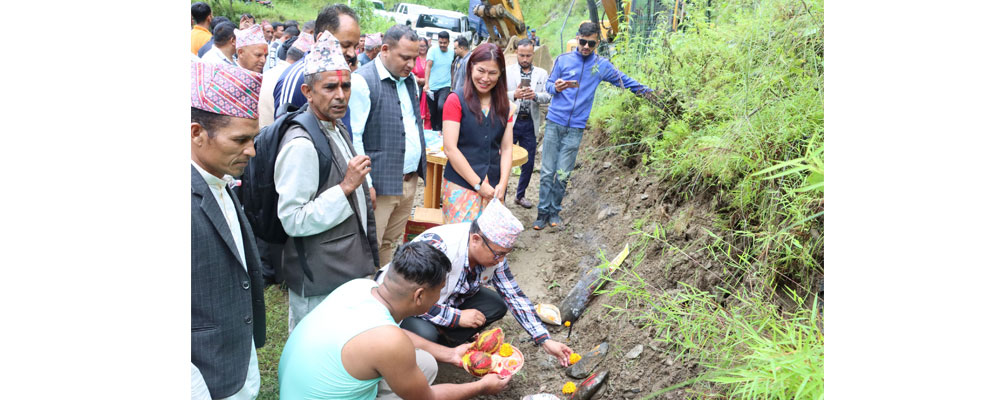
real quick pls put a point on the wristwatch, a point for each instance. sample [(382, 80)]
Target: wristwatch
[(476, 186)]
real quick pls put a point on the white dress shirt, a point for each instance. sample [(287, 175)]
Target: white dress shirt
[(216, 56), (265, 107), (361, 104), (252, 384), (296, 177)]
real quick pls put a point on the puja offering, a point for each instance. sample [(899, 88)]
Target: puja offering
[(489, 354), (478, 363), (548, 313), (489, 341)]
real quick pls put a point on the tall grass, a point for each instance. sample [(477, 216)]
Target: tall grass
[(737, 124), (749, 348), (739, 112)]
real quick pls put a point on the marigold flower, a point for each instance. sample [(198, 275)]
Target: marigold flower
[(566, 323), (506, 350), (573, 358), (569, 388)]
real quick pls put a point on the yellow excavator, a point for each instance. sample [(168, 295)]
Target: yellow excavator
[(505, 26)]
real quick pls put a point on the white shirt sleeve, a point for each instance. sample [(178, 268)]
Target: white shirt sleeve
[(296, 176), (199, 390), (360, 104)]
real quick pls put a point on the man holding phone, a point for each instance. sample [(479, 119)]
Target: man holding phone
[(526, 90), (573, 82)]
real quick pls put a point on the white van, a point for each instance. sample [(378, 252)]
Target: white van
[(430, 22), (406, 13)]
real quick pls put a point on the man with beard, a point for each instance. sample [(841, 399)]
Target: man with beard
[(527, 98), (341, 21), (334, 222)]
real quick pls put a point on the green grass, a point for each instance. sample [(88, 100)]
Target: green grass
[(276, 302), (737, 122), (299, 10), (748, 346), (739, 113)]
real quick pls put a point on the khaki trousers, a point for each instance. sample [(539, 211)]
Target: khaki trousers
[(391, 214)]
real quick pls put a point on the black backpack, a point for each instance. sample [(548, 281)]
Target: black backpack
[(258, 193)]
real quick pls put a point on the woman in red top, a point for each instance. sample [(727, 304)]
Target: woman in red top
[(478, 137), (420, 71)]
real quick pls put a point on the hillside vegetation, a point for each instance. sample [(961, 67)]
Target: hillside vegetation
[(299, 10), (737, 125)]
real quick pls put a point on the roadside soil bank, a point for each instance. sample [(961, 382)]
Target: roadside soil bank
[(606, 195)]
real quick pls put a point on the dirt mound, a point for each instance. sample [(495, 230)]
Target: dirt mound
[(604, 199)]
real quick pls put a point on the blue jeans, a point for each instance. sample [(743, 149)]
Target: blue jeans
[(561, 144), (524, 136)]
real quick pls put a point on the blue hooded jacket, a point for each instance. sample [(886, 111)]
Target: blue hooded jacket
[(571, 107)]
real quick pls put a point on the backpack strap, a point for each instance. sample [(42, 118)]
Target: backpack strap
[(308, 122)]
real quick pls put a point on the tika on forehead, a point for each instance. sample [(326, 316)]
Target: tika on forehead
[(326, 55)]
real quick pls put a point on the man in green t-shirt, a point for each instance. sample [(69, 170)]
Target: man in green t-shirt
[(351, 346)]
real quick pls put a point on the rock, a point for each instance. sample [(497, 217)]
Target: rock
[(551, 250), (606, 212), (589, 361), (606, 165), (644, 196), (586, 389), (635, 352), (548, 362), (631, 393), (600, 392), (578, 236)]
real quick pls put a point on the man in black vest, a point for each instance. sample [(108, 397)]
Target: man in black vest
[(385, 119), (227, 289), (333, 222)]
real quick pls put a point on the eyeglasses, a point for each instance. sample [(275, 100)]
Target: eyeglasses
[(588, 43), (495, 255)]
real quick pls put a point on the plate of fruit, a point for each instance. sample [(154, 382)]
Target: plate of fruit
[(489, 354)]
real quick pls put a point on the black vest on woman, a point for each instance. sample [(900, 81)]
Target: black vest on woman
[(479, 143)]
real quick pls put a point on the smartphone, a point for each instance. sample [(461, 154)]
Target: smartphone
[(573, 83), (525, 82)]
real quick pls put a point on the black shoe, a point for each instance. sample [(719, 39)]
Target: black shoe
[(540, 223), (523, 203)]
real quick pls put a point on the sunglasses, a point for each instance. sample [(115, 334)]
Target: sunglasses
[(588, 43), (495, 255)]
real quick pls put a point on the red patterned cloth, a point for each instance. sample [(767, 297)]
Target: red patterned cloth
[(249, 36), (225, 89), (420, 71)]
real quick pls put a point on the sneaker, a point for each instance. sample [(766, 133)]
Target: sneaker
[(539, 223), (523, 203), (554, 220)]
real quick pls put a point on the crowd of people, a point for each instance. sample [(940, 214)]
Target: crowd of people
[(344, 116)]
